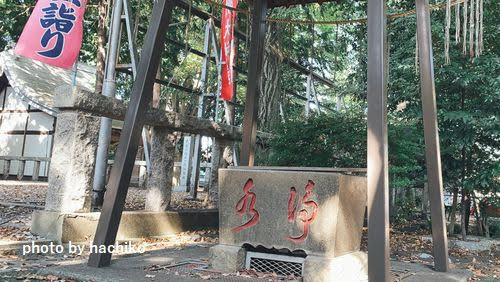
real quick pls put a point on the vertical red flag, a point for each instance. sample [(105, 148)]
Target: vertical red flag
[(53, 33), (228, 49)]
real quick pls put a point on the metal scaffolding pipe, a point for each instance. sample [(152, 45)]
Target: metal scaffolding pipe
[(108, 89)]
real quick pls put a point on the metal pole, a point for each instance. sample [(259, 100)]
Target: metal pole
[(121, 172), (254, 77), (315, 95), (432, 151), (338, 106), (108, 89), (195, 174), (378, 176), (218, 63), (129, 23), (308, 95)]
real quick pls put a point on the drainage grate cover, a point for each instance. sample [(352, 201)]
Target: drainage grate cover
[(271, 263)]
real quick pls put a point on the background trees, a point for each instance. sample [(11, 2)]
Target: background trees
[(467, 90)]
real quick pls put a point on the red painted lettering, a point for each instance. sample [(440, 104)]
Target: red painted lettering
[(242, 206)]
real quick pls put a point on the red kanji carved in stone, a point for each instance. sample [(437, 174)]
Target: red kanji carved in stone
[(242, 206), (303, 214)]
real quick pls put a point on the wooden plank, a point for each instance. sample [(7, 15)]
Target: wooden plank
[(141, 95), (6, 169), (256, 57), (432, 150), (378, 171), (187, 152), (20, 169), (23, 158), (36, 171)]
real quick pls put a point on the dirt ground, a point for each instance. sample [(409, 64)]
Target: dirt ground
[(407, 243)]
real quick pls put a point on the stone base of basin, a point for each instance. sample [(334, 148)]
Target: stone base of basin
[(348, 267), (80, 227)]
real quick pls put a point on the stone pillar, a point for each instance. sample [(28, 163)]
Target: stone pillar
[(159, 180), (216, 162), (72, 163)]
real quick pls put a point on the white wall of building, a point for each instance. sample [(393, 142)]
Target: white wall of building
[(15, 118)]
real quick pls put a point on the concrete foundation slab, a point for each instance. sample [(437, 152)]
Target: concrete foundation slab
[(351, 267), (413, 272), (80, 227), (138, 267), (227, 258)]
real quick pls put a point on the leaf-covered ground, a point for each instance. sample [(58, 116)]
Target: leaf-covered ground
[(408, 244), (20, 199)]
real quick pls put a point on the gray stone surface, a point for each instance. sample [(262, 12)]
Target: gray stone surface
[(346, 268), (159, 180), (100, 105), (227, 258), (16, 245), (80, 227), (336, 229), (473, 243), (413, 272), (216, 162), (131, 268), (351, 267), (72, 164)]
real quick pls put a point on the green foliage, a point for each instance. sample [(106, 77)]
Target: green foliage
[(405, 154), (336, 140)]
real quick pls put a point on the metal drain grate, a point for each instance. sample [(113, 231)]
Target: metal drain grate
[(279, 264)]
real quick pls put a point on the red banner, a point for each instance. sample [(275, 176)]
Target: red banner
[(53, 33), (228, 49)]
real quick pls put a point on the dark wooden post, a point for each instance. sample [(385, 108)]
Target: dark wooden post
[(141, 95), (378, 176), (432, 152), (254, 77)]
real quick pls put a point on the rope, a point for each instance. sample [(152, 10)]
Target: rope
[(220, 5), (337, 22)]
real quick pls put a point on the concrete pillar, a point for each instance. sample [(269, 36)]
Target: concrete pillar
[(72, 164), (159, 180)]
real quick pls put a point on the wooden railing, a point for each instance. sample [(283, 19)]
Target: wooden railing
[(21, 166)]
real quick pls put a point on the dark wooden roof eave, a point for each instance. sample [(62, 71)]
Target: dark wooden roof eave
[(287, 3)]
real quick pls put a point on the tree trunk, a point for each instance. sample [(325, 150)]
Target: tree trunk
[(467, 212), (453, 212), (229, 111), (462, 217), (157, 89), (425, 201), (270, 83), (159, 181), (477, 214), (392, 203), (101, 45), (485, 225)]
